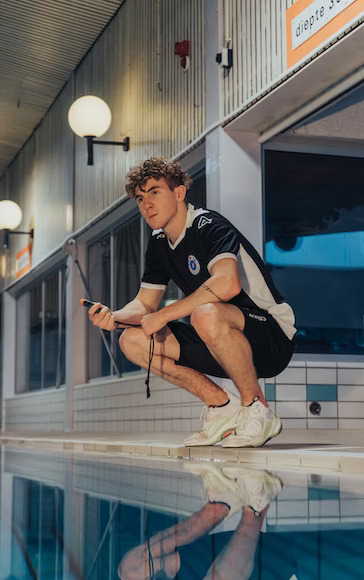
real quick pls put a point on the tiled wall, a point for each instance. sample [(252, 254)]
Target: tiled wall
[(120, 405), (39, 411), (312, 499), (306, 499), (338, 387)]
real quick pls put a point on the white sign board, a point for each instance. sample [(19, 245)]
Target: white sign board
[(315, 17)]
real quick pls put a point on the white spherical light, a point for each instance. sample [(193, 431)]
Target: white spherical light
[(89, 116), (10, 215)]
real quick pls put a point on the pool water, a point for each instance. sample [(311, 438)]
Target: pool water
[(104, 517)]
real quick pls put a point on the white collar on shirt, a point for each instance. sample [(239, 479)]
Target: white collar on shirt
[(192, 214)]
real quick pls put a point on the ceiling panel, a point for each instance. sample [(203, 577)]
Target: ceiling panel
[(41, 43)]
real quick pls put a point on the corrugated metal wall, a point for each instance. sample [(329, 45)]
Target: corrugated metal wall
[(41, 42), (256, 30), (154, 101), (40, 181)]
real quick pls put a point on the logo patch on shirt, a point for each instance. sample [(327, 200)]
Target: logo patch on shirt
[(257, 317), (203, 221), (193, 265)]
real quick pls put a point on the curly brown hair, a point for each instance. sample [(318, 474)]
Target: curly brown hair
[(156, 168)]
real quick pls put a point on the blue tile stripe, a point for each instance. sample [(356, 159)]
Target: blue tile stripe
[(317, 494), (270, 392), (321, 392)]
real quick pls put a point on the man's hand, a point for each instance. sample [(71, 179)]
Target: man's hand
[(153, 322), (103, 319)]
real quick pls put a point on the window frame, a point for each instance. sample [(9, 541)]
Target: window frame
[(111, 231), (60, 267)]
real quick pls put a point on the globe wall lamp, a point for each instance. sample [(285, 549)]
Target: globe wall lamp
[(90, 117), (10, 218)]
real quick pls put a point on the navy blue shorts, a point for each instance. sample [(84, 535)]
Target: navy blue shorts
[(272, 349)]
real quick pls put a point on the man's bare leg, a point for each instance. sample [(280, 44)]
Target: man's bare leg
[(223, 421), (237, 559), (135, 346), (162, 546), (221, 328)]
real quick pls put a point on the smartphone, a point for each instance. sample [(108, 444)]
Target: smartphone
[(88, 304)]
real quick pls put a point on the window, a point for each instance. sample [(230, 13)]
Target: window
[(99, 271), (114, 272), (314, 222), (1, 348), (127, 274), (38, 530), (41, 329), (197, 194)]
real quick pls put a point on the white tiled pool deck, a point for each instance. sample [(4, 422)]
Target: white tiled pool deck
[(321, 450)]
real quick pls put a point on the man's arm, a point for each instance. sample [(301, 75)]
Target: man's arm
[(146, 301), (223, 284)]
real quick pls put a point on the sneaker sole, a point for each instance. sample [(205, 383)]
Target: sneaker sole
[(225, 445), (219, 436)]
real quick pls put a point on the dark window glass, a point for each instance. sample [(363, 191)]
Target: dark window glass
[(99, 270), (127, 277), (38, 525), (61, 362), (51, 332), (97, 548), (314, 222), (1, 349), (55, 329), (41, 335), (35, 339), (197, 194), (22, 342)]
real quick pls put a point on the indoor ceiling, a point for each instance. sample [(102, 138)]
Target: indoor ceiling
[(41, 43)]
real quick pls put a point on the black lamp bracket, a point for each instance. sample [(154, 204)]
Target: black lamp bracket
[(8, 232), (91, 141)]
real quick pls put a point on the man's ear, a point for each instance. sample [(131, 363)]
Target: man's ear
[(181, 193)]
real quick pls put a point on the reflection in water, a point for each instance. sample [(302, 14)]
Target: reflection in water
[(67, 518), (171, 552)]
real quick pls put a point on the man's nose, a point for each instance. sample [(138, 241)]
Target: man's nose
[(148, 202)]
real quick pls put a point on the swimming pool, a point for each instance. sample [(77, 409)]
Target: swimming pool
[(103, 517)]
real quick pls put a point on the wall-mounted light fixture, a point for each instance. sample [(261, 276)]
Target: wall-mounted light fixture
[(10, 218), (90, 117)]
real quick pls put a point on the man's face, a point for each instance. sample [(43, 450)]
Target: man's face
[(157, 203)]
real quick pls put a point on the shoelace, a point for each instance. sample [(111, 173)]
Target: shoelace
[(151, 351), (207, 414), (243, 416)]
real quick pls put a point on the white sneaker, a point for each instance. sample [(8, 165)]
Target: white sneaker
[(217, 423), (257, 424), (219, 488), (255, 488)]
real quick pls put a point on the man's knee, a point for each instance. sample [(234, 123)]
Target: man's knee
[(206, 320), (129, 342), (211, 321)]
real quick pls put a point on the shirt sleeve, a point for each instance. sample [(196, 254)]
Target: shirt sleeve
[(219, 239), (155, 276)]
